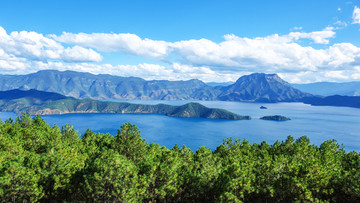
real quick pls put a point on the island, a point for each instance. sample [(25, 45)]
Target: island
[(275, 118), (36, 102)]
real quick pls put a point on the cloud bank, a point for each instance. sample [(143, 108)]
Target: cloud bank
[(292, 55), (34, 46), (356, 15), (124, 43)]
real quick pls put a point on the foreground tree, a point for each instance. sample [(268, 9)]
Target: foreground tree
[(43, 163), (113, 179)]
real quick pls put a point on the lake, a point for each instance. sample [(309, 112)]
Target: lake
[(319, 123)]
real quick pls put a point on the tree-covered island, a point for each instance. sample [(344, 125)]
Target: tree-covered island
[(275, 118)]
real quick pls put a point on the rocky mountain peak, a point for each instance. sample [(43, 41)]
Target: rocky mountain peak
[(261, 87)]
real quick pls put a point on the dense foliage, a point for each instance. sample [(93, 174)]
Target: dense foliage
[(43, 163)]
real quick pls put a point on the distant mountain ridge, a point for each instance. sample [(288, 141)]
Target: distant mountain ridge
[(330, 88), (86, 85), (35, 95), (36, 102), (335, 100), (257, 87), (260, 87)]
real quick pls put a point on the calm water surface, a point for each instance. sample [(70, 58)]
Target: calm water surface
[(317, 123)]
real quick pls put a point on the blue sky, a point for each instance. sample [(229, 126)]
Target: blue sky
[(303, 41)]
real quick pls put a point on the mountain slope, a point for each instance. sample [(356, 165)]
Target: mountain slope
[(86, 85), (32, 94), (45, 103), (256, 87), (260, 87), (18, 99)]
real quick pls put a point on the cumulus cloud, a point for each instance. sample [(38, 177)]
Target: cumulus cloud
[(275, 52), (124, 43), (356, 15), (272, 53), (147, 71), (339, 25), (205, 74), (175, 71), (297, 28), (319, 37), (320, 76), (336, 75), (35, 46), (234, 51), (24, 52)]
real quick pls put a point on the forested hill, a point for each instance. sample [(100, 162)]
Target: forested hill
[(336, 100), (36, 102), (39, 163), (35, 95), (258, 87)]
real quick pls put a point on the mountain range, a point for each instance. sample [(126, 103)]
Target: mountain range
[(335, 100), (260, 87), (257, 87), (330, 88), (36, 102)]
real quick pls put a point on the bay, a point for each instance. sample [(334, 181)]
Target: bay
[(319, 123)]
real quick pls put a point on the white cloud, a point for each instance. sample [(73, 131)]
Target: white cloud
[(146, 71), (336, 75), (205, 74), (78, 53), (356, 15), (25, 52), (176, 71), (35, 46), (340, 25), (272, 53), (320, 76), (342, 54), (319, 37), (356, 74), (297, 28), (124, 43)]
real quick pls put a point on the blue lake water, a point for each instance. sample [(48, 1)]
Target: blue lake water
[(317, 123)]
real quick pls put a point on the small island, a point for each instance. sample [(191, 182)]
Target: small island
[(275, 118), (263, 107)]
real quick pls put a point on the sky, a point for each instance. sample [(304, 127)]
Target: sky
[(215, 41)]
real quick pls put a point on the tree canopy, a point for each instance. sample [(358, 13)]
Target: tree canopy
[(43, 163)]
